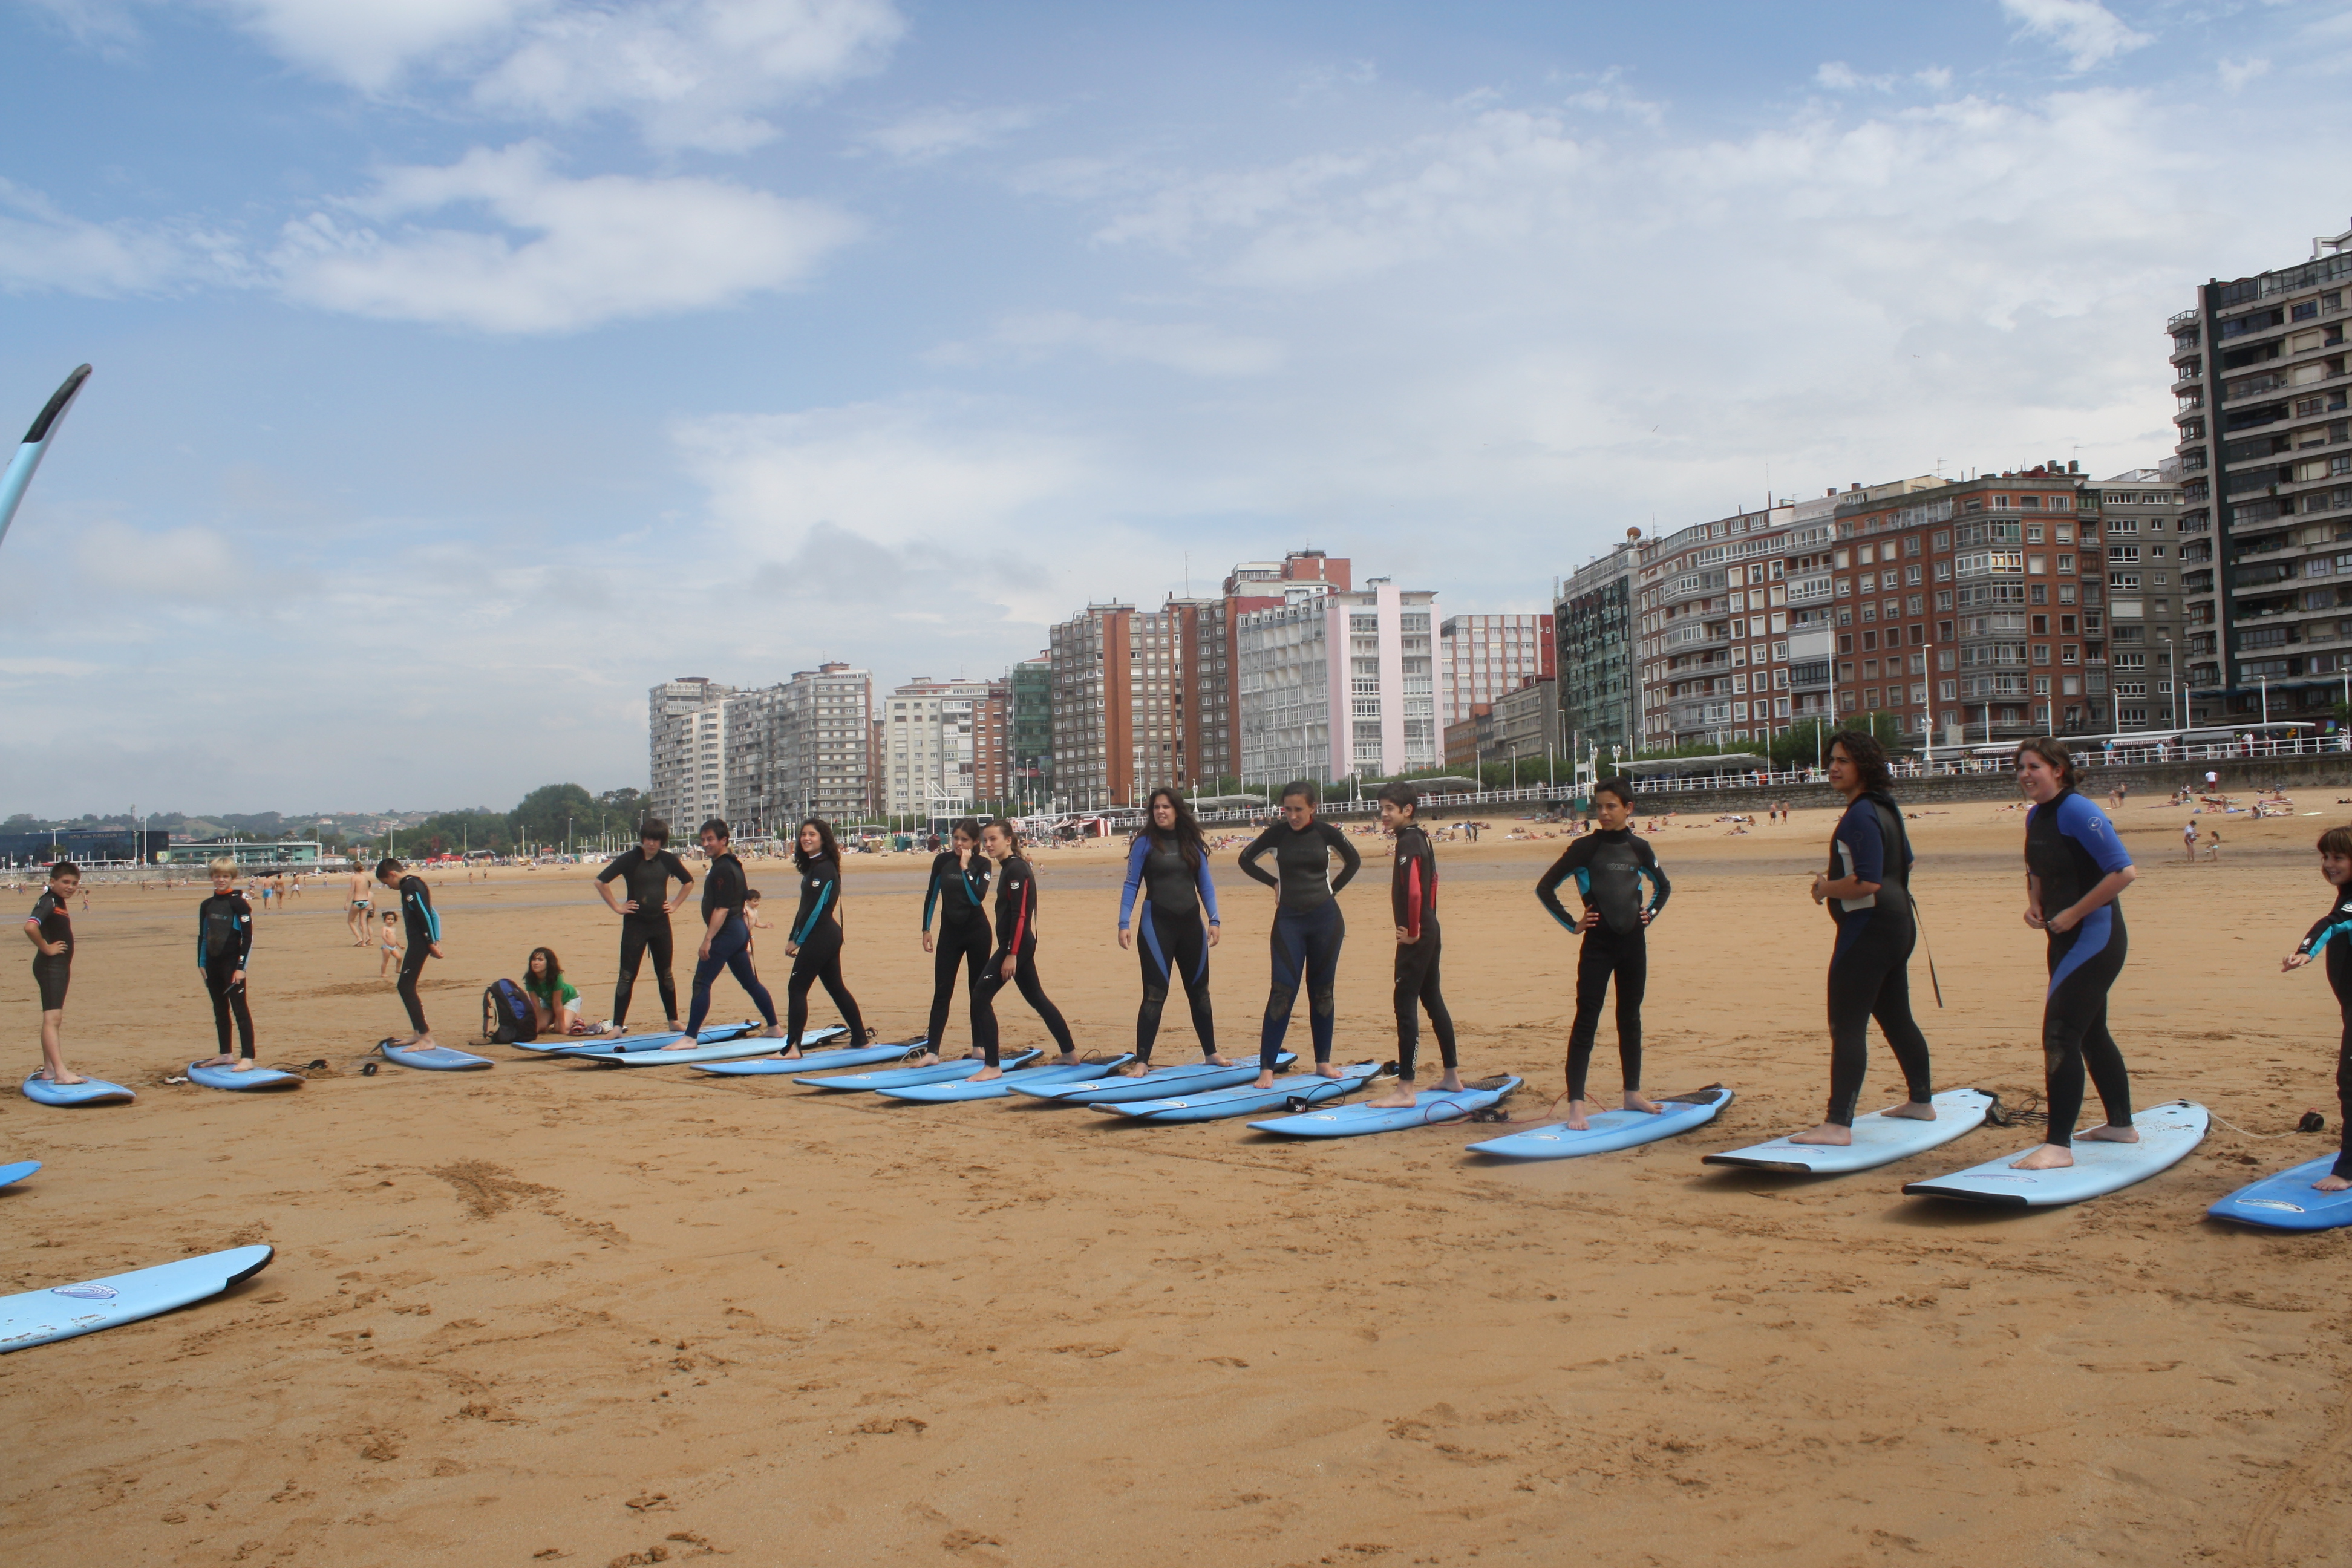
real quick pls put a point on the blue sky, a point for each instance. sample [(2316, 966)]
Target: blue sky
[(464, 366)]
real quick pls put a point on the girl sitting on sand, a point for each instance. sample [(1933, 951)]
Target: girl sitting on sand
[(553, 997)]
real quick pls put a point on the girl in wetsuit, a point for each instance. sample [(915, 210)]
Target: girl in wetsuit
[(1610, 867), (1307, 927), (959, 893), (1015, 963), (2075, 868), (1169, 864), (817, 938), (1868, 890), (2331, 934), (224, 949), (726, 940)]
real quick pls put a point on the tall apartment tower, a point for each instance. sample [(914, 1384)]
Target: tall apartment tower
[(1119, 677), (2260, 375), (801, 748), (932, 730), (2139, 512), (1337, 683), (1029, 759), (1713, 649), (686, 726), (1481, 657), (1593, 624)]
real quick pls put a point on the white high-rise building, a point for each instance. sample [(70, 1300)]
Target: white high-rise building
[(687, 747), (929, 735), (1483, 658), (801, 748), (1337, 683)]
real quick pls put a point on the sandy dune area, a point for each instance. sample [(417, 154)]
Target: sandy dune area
[(553, 1313)]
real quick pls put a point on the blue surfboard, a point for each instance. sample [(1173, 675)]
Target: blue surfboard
[(1610, 1130), (2167, 1134), (1003, 1088), (10, 1175), (251, 1078), (2286, 1201), (440, 1058), (1212, 1105), (1356, 1121), (813, 1061), (35, 444), (92, 1091), (908, 1077), (737, 1048), (62, 1311), (1102, 1088), (595, 1044)]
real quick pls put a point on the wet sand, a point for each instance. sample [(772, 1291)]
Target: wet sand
[(557, 1313)]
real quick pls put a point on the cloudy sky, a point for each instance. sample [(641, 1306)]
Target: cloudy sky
[(464, 366)]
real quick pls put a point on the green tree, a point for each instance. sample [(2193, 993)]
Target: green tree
[(455, 832), (547, 814)]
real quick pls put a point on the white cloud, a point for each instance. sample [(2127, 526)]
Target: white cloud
[(563, 254), (43, 248), (939, 132), (2089, 33), (1189, 347), (1839, 76), (2236, 74), (189, 564), (370, 44)]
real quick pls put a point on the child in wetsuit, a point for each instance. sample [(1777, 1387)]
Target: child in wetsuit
[(224, 947), (1610, 867), (49, 928), (1413, 897), (2330, 938), (423, 930)]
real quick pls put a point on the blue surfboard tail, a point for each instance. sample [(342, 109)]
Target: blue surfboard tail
[(27, 459), (56, 408)]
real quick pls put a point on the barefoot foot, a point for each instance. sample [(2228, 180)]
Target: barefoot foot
[(984, 1074), (1636, 1100), (2331, 1184), (1265, 1081), (1401, 1097), (2112, 1133), (1577, 1120), (1828, 1133), (2049, 1157), (1913, 1111)]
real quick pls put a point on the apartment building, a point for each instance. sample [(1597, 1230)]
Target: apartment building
[(2139, 513), (1029, 761), (1480, 658), (2265, 451), (1118, 676), (686, 730), (1334, 683), (802, 748), (935, 734), (1594, 628), (1712, 648)]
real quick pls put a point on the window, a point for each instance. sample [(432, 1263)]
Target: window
[(2069, 653), (2037, 565), (1943, 539), (1947, 689), (2065, 564), (2042, 654)]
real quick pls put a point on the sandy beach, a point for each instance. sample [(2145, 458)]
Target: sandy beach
[(558, 1313)]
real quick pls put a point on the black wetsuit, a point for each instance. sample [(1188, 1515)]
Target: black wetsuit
[(817, 932), (1412, 900), (1609, 868), (223, 946), (722, 888), (1307, 927), (2333, 931), (648, 928), (1171, 941), (1016, 934), (1870, 974), (960, 893), (422, 923), (52, 974), (2070, 847)]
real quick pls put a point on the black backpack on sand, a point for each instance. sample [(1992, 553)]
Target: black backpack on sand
[(507, 1017)]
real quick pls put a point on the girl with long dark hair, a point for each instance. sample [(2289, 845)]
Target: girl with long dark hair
[(958, 892), (1307, 927), (817, 937), (1169, 864), (1015, 963)]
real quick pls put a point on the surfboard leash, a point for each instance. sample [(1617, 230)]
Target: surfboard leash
[(1934, 983)]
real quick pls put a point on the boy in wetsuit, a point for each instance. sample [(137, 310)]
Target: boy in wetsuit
[(2330, 938), (1610, 867), (224, 947), (1413, 897), (647, 872), (423, 929), (49, 928)]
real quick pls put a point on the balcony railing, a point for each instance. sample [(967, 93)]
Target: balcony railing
[(2183, 319)]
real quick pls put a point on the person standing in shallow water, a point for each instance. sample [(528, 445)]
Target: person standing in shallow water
[(1868, 890)]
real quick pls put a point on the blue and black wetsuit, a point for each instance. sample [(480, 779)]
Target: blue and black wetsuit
[(223, 946), (817, 932), (52, 974), (722, 888), (2070, 847), (422, 923), (1016, 936), (1870, 974), (1609, 868), (1307, 927), (959, 893), (1412, 899), (1171, 941), (2333, 931)]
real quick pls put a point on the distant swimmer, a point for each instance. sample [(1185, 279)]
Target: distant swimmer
[(2075, 868), (360, 900), (726, 940), (422, 925), (1307, 928), (1168, 868), (2332, 934), (958, 894), (1609, 868), (1015, 962), (49, 928), (1868, 890), (817, 937), (1413, 904), (645, 873), (224, 948)]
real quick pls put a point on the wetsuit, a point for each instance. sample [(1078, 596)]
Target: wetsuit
[(1412, 900), (722, 888), (2333, 931), (2070, 847), (817, 932), (648, 882), (1608, 869), (223, 945), (1170, 942), (422, 924), (1307, 927), (1016, 934), (51, 975), (960, 893), (1870, 976)]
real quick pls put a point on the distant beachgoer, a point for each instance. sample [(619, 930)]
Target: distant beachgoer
[(361, 900), (2188, 836)]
